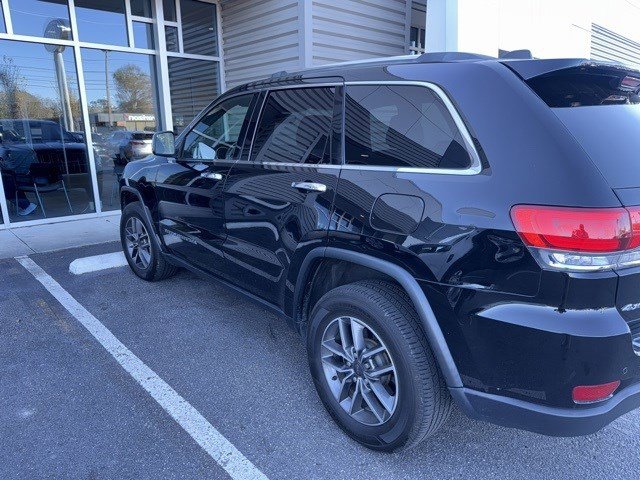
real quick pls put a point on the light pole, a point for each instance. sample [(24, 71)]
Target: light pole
[(106, 82), (59, 29)]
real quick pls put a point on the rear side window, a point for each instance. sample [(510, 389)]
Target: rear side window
[(295, 126), (401, 126), (142, 136)]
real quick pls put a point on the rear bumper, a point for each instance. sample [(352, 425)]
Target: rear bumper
[(554, 421)]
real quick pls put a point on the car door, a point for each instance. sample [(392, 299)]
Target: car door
[(190, 208), (278, 200)]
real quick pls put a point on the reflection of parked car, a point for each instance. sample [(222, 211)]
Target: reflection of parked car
[(446, 228), (42, 141), (125, 146)]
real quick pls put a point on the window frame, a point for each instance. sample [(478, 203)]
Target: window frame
[(475, 168), (242, 138), (338, 100), (476, 164)]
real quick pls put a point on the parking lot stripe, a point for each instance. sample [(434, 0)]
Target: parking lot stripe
[(97, 262), (192, 421)]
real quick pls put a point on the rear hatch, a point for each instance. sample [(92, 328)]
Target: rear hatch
[(599, 103)]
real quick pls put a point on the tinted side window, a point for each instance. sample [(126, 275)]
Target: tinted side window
[(216, 135), (295, 126), (401, 126)]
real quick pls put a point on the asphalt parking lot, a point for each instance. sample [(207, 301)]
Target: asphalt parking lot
[(68, 409)]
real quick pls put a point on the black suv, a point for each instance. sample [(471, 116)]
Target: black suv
[(441, 229)]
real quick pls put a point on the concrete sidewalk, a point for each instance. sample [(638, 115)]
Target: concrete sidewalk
[(58, 236)]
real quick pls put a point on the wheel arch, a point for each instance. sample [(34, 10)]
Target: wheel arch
[(312, 265), (129, 195)]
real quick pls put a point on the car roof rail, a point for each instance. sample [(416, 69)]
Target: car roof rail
[(281, 73), (523, 54), (438, 57)]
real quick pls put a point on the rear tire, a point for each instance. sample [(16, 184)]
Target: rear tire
[(141, 247), (413, 395)]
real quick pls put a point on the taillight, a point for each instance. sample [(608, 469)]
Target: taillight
[(594, 393), (580, 239)]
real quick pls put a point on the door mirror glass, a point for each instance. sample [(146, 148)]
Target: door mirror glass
[(164, 144)]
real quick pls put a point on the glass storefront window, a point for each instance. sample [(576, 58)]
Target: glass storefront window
[(141, 8), (43, 156), (121, 94), (31, 17), (199, 27), (102, 21), (169, 7), (193, 85), (171, 35), (143, 35)]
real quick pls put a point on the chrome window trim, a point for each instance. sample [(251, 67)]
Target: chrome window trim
[(476, 164), (474, 169)]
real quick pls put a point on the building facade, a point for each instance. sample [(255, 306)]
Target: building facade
[(84, 83)]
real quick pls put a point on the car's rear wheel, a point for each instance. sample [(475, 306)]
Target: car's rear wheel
[(373, 368), (140, 246)]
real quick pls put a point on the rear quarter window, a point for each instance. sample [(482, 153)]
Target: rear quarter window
[(401, 126)]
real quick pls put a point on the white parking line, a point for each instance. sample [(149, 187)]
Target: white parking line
[(97, 262), (212, 441)]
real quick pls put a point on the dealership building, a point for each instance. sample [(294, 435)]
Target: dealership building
[(74, 72)]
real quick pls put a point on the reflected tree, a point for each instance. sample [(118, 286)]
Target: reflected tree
[(133, 89), (10, 84)]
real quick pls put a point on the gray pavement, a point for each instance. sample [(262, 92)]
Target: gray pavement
[(68, 410), (59, 235)]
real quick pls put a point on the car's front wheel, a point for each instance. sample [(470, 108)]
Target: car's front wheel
[(373, 368), (140, 246)]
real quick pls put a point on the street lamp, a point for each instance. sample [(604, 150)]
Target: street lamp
[(59, 29)]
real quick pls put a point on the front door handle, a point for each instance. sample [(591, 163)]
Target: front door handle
[(310, 186), (211, 175)]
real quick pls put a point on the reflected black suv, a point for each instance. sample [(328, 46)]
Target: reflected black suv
[(443, 229)]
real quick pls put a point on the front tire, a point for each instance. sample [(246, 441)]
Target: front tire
[(141, 247), (373, 368)]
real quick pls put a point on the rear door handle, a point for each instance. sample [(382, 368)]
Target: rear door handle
[(310, 186), (211, 175)]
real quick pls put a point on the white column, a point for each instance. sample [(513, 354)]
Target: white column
[(442, 26), (162, 70)]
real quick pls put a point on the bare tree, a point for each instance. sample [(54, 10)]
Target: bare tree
[(133, 89), (10, 84)]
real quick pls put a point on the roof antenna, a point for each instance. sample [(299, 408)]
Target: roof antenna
[(517, 55)]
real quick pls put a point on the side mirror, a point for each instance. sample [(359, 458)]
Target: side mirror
[(164, 144)]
